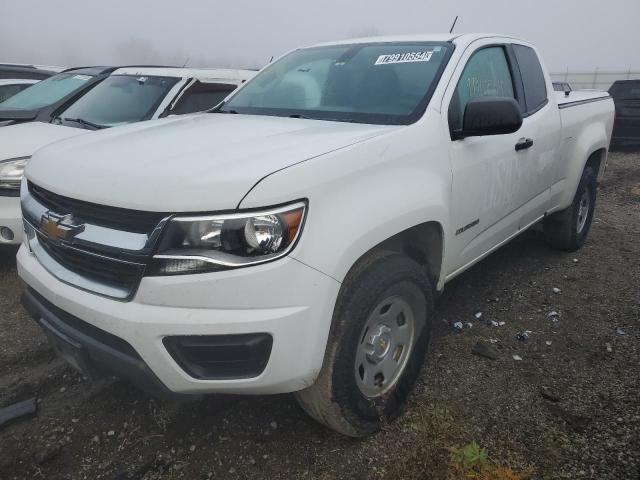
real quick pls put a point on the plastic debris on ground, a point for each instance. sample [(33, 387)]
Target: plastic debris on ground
[(478, 315), (468, 324), (517, 358), (458, 326), (548, 343), (26, 408), (609, 348), (556, 290), (620, 331), (523, 336)]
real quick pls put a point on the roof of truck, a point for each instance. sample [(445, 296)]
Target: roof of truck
[(425, 37), (179, 72)]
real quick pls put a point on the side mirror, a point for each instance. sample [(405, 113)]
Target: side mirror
[(567, 91), (490, 116)]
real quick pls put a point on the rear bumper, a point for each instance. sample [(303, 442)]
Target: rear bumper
[(286, 299), (11, 217)]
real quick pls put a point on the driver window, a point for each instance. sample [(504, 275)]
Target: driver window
[(486, 74)]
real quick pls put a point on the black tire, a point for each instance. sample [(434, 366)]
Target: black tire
[(562, 229), (335, 399)]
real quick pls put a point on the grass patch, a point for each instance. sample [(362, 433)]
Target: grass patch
[(472, 462), (426, 451)]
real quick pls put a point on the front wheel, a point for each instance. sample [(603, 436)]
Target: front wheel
[(376, 346), (567, 230)]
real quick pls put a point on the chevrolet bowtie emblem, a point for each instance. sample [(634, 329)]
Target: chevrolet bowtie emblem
[(59, 227)]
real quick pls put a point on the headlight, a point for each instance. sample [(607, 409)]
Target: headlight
[(220, 242), (11, 172)]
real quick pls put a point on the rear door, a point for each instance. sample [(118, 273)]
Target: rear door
[(539, 140)]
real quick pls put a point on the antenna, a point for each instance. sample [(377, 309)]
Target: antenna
[(453, 24), (185, 62), (271, 59)]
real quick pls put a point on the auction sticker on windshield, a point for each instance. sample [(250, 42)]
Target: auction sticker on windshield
[(407, 57)]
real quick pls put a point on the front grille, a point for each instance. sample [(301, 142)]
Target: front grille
[(136, 221), (108, 271)]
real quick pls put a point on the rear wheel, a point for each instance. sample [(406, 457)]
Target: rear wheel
[(567, 230), (376, 347)]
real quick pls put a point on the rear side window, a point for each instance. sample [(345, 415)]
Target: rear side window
[(535, 88), (486, 74), (202, 96)]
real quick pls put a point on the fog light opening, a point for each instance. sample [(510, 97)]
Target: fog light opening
[(6, 233)]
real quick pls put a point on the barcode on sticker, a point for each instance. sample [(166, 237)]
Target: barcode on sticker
[(407, 57)]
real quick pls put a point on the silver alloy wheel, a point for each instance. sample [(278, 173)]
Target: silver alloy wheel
[(583, 210), (386, 343)]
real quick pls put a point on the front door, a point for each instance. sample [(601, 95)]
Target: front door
[(485, 168)]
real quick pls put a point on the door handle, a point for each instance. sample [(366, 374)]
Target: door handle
[(523, 144)]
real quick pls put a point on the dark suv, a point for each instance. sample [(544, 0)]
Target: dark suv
[(626, 129)]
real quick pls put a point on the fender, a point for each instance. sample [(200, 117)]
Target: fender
[(364, 194), (593, 134)]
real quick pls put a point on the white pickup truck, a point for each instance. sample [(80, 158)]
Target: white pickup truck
[(293, 240), (126, 95)]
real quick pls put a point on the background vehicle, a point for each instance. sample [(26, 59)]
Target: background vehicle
[(9, 87), (626, 130), (562, 87), (128, 95), (27, 72), (41, 102), (293, 242)]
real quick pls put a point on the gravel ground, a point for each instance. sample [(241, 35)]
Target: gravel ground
[(570, 408)]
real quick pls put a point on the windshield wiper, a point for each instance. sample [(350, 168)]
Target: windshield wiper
[(85, 123), (326, 119)]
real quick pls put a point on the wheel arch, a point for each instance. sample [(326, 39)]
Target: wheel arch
[(597, 159), (423, 243)]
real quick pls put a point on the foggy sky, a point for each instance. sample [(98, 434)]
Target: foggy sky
[(578, 35)]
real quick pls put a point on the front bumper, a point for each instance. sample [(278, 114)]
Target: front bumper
[(11, 217), (92, 351), (286, 299)]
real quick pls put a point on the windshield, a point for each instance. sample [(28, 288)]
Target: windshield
[(119, 99), (47, 92), (382, 83)]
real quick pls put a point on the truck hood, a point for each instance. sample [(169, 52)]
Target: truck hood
[(202, 162), (22, 140)]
